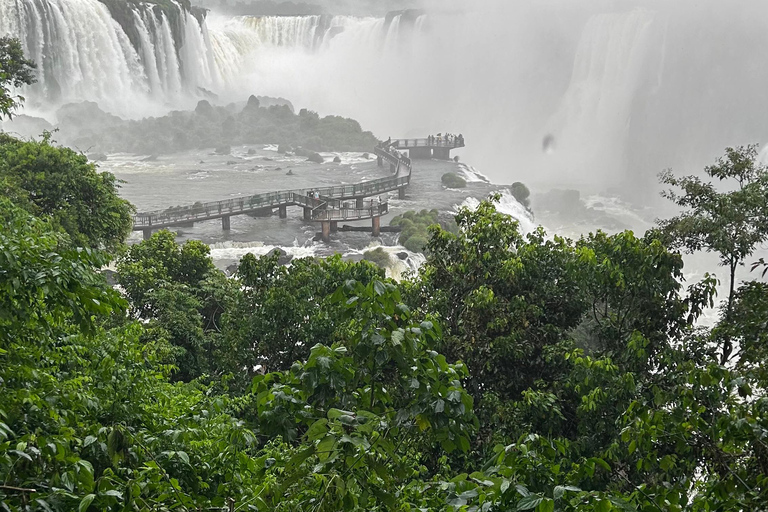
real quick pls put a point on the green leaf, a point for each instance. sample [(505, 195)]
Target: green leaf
[(529, 502), (86, 502), (183, 456), (603, 506), (547, 505)]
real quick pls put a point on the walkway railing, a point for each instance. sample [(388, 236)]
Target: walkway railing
[(435, 142), (329, 200), (352, 213)]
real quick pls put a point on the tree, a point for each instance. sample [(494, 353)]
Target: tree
[(55, 181), (730, 223), (284, 311), (182, 294), (15, 71)]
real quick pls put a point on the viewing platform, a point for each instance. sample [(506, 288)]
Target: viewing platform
[(432, 147)]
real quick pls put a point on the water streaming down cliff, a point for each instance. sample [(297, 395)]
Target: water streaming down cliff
[(620, 92), (84, 53)]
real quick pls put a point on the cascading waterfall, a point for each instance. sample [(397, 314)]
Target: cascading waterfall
[(84, 54), (595, 112)]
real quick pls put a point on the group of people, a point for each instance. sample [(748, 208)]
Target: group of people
[(448, 139), (313, 194)]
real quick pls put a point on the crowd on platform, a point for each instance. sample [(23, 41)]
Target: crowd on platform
[(448, 139)]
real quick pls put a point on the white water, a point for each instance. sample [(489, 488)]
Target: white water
[(621, 91), (510, 206)]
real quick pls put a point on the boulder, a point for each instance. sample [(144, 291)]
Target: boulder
[(223, 150), (316, 158), (283, 258), (402, 255), (337, 160)]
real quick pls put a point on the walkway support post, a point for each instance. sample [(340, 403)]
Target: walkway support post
[(401, 193), (326, 231), (307, 213), (283, 212), (147, 233), (360, 203), (376, 224), (334, 226), (225, 222)]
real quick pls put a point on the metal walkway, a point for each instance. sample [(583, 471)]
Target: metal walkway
[(328, 206)]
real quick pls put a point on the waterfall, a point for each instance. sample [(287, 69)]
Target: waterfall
[(83, 53), (592, 122)]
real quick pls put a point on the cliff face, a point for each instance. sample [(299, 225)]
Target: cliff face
[(123, 12)]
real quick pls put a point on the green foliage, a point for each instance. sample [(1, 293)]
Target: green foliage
[(730, 223), (54, 181), (453, 180), (415, 228), (378, 256), (513, 373), (178, 289), (15, 71), (284, 311), (211, 126)]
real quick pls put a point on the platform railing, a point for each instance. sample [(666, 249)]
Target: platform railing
[(352, 213), (330, 198)]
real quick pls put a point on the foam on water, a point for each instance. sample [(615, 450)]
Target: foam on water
[(234, 251), (510, 206), (397, 268), (472, 175)]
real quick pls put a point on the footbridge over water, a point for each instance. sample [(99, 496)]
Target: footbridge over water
[(326, 205)]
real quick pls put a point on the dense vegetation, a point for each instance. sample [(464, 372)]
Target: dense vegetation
[(15, 71), (415, 228), (511, 373), (210, 126), (58, 183)]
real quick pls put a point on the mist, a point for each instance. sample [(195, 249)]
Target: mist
[(592, 94)]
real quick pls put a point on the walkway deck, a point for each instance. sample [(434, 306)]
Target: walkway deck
[(327, 208)]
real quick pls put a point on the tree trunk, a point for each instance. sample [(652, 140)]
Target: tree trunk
[(727, 344)]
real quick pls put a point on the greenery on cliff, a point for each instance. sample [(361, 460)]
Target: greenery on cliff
[(511, 373), (210, 126)]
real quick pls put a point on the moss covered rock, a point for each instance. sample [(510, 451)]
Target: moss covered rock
[(453, 180)]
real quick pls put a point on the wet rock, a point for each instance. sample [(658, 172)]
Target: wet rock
[(284, 148), (316, 158), (289, 173), (402, 255), (231, 162), (223, 150), (111, 276), (231, 270), (267, 159), (337, 160), (283, 258), (251, 151), (367, 156)]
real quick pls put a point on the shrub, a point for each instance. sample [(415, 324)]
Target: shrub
[(416, 243), (378, 256), (453, 180), (521, 193)]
